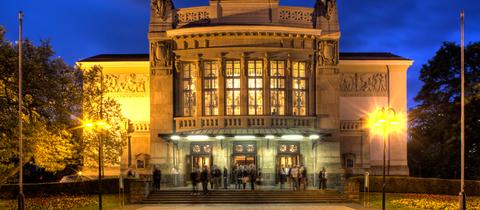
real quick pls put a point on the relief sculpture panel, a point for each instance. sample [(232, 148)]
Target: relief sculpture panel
[(127, 85), (364, 84), (328, 52), (161, 57)]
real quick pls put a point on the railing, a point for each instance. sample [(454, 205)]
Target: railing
[(351, 125), (215, 122), (141, 126), (295, 15)]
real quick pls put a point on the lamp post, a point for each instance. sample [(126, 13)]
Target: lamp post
[(463, 200), (99, 125), (21, 197), (385, 117)]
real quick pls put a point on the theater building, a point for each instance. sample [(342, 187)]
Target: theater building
[(253, 82)]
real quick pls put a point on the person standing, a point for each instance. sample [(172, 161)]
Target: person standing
[(303, 177), (194, 176), (225, 177), (218, 178), (157, 178), (252, 176), (239, 177), (204, 179), (294, 177), (212, 177), (322, 176), (244, 176), (283, 177)]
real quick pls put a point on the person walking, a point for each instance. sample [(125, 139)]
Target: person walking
[(157, 178), (194, 177), (225, 177), (322, 176), (204, 179)]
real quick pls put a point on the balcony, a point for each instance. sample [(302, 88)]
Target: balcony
[(216, 122), (351, 125)]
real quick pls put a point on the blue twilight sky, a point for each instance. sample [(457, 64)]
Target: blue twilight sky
[(411, 28)]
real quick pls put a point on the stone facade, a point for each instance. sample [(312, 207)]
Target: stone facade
[(265, 78)]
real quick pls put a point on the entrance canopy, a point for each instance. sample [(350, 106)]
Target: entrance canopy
[(269, 133)]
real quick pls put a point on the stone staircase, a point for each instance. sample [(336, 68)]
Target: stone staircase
[(234, 197)]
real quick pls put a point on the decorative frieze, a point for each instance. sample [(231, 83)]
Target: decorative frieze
[(328, 52), (364, 84), (127, 85)]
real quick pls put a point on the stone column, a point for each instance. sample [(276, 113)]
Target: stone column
[(288, 86), (221, 85), (244, 85), (266, 86), (199, 87), (311, 86)]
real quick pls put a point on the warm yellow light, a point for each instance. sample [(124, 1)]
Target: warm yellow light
[(386, 120), (88, 124), (79, 173), (269, 136)]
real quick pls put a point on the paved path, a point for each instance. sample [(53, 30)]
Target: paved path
[(252, 207)]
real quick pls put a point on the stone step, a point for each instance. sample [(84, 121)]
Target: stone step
[(177, 196)]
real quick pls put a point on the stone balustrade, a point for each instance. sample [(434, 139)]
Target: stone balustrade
[(193, 15), (351, 125), (215, 122), (141, 126), (284, 15), (295, 15)]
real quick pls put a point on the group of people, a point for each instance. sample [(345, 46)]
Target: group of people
[(296, 176), (243, 174), (213, 175)]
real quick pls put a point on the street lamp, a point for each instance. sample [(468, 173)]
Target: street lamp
[(99, 125), (384, 118)]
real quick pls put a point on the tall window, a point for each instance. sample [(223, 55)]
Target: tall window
[(277, 87), (232, 87), (210, 88), (255, 87), (189, 92), (299, 87)]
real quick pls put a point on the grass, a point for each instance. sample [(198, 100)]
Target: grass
[(420, 201), (89, 202)]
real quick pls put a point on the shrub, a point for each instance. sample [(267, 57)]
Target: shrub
[(399, 184)]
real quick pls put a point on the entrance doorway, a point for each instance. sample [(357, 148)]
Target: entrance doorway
[(244, 160), (287, 160), (201, 160)]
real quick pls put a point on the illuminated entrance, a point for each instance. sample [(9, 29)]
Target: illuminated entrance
[(288, 154), (200, 155), (244, 153)]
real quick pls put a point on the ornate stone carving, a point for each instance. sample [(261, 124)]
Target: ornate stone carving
[(160, 7), (295, 15), (328, 52), (130, 85), (161, 56), (193, 16), (364, 84), (326, 8)]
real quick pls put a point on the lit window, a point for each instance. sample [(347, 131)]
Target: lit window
[(255, 87), (210, 88), (277, 87), (232, 87), (299, 87), (189, 92)]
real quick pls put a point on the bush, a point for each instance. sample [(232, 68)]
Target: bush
[(109, 186), (54, 202), (399, 184)]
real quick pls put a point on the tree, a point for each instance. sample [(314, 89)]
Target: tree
[(99, 106), (434, 146), (49, 93)]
